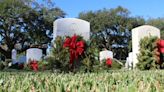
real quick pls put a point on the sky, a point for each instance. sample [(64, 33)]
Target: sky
[(144, 8)]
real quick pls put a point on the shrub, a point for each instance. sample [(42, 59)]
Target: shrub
[(59, 58), (43, 65), (147, 56), (91, 57), (88, 61)]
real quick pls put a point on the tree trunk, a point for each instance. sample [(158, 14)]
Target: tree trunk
[(8, 55)]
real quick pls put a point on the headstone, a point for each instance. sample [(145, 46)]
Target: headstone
[(71, 26), (129, 61), (130, 55), (14, 56), (126, 64), (105, 54), (139, 33), (22, 59), (33, 54)]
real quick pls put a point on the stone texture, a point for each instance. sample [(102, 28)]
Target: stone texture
[(105, 54), (14, 56), (139, 33), (71, 26), (129, 61), (33, 54), (22, 59)]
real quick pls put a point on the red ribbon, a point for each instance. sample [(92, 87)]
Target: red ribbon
[(75, 48), (34, 65), (160, 44), (109, 62)]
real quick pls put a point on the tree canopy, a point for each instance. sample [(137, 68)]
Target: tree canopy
[(22, 23), (112, 28), (26, 22), (159, 23)]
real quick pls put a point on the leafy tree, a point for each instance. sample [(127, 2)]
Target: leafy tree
[(112, 28), (40, 24), (10, 24), (159, 23), (26, 23)]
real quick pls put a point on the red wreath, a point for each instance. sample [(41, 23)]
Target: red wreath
[(109, 62), (34, 65), (76, 48)]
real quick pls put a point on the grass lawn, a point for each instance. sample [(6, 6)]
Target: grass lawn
[(113, 81)]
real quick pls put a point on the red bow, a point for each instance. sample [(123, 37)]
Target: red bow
[(160, 44), (75, 48), (109, 62), (34, 65)]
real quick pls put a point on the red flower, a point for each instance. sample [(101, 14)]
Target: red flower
[(34, 65), (109, 62), (75, 48)]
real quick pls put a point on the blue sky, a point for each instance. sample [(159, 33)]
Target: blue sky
[(144, 8)]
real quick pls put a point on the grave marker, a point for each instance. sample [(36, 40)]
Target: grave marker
[(33, 54), (139, 33), (105, 54), (71, 26)]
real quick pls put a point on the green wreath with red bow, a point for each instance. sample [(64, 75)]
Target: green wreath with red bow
[(76, 47)]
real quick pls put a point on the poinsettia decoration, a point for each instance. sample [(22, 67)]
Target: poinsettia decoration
[(76, 47), (109, 62), (34, 65)]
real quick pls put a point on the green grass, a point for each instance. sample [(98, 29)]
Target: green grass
[(113, 81)]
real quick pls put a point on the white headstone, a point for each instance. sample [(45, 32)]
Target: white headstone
[(71, 26), (22, 59), (33, 54), (129, 61), (105, 54), (14, 56), (130, 55), (139, 33)]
